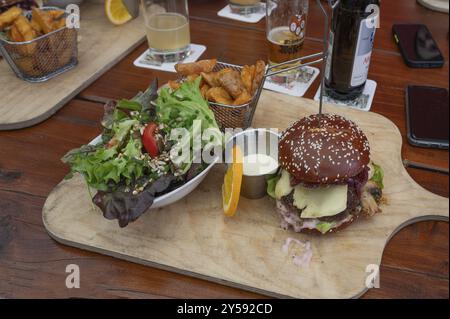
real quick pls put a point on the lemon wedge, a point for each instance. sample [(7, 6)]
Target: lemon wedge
[(231, 188), (116, 12)]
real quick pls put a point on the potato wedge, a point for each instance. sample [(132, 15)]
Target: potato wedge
[(174, 85), (7, 18), (204, 90), (43, 19), (55, 14), (59, 24), (247, 76), (231, 82), (219, 95), (23, 26), (242, 99), (192, 77), (186, 69), (260, 70), (36, 26), (210, 79), (14, 34)]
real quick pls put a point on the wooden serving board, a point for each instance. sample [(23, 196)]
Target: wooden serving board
[(193, 237), (100, 46)]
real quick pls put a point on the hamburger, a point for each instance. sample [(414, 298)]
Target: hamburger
[(326, 179)]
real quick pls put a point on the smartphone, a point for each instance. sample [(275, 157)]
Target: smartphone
[(417, 46), (427, 116)]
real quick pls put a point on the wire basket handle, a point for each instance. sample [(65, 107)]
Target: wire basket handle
[(301, 59)]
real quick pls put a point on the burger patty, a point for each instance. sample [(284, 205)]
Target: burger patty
[(366, 203)]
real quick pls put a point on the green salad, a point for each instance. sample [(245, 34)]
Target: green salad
[(136, 161)]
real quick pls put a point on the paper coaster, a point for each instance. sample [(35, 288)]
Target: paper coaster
[(249, 18), (195, 53), (363, 103), (298, 87)]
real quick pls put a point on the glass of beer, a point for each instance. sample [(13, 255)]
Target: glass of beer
[(167, 28), (245, 6), (286, 29)]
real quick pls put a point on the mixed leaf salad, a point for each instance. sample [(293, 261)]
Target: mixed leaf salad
[(134, 162)]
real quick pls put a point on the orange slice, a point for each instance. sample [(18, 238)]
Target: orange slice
[(116, 12), (231, 188)]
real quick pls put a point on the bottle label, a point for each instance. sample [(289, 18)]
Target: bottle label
[(363, 52)]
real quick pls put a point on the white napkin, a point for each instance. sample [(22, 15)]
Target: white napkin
[(249, 18), (296, 88), (196, 51), (363, 103)]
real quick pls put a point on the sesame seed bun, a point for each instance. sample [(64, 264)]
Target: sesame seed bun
[(326, 154)]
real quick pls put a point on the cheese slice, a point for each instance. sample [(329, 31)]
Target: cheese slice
[(283, 187), (321, 201)]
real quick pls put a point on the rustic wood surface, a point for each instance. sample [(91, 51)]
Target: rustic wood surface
[(252, 241), (414, 263), (100, 47)]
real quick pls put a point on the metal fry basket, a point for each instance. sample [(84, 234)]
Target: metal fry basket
[(241, 116), (235, 116), (44, 57)]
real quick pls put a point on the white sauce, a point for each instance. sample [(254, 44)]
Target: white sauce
[(259, 164)]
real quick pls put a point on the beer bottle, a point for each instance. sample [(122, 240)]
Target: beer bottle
[(352, 34)]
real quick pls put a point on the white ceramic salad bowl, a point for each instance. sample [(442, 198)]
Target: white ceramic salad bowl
[(178, 193)]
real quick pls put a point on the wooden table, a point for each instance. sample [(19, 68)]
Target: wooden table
[(415, 262)]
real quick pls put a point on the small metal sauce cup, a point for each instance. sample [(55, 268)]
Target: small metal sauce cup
[(254, 141)]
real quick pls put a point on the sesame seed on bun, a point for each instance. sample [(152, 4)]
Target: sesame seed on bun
[(328, 153)]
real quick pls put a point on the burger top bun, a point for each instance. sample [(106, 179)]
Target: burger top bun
[(328, 153)]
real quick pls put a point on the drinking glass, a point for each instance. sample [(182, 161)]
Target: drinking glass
[(167, 28), (245, 6), (286, 28)]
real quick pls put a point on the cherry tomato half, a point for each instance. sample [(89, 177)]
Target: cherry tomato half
[(149, 140)]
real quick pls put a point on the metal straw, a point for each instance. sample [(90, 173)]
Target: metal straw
[(276, 66)]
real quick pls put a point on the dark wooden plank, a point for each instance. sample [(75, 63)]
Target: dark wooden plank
[(409, 249), (436, 183), (408, 285), (30, 158)]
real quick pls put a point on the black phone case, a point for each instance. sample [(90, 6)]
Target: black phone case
[(429, 143), (413, 63)]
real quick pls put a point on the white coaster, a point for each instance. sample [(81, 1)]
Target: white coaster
[(297, 88), (249, 18), (363, 103), (196, 51)]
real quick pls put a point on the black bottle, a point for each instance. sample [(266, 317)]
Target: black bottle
[(352, 34)]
